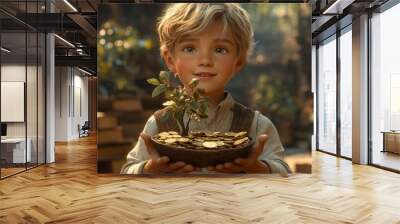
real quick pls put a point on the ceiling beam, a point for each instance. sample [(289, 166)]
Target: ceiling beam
[(84, 24), (81, 61), (337, 7)]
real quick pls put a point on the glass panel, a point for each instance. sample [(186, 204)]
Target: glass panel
[(327, 96), (13, 86), (22, 63), (385, 89), (346, 94), (31, 97), (41, 98), (313, 87), (31, 86)]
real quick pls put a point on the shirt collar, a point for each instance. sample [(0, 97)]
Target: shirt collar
[(226, 103)]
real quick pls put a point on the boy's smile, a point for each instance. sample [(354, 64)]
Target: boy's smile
[(210, 56), (205, 75)]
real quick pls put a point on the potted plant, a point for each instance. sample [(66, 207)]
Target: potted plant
[(180, 100), (197, 148)]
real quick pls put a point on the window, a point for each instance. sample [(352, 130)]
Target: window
[(346, 92), (385, 88), (327, 95)]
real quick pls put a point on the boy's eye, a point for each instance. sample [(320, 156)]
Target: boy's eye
[(221, 50), (188, 49)]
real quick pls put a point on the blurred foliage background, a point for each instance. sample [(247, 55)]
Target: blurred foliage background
[(276, 80)]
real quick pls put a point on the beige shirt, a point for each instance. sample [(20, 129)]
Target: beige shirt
[(219, 119)]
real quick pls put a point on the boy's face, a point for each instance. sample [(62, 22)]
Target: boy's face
[(211, 56)]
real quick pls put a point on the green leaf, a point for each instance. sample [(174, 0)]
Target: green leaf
[(179, 114), (195, 105), (169, 93), (158, 90), (169, 103), (194, 82), (153, 81), (164, 77)]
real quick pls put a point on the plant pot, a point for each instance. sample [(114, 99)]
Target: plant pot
[(203, 157)]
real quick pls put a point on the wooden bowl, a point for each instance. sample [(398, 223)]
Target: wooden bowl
[(203, 157)]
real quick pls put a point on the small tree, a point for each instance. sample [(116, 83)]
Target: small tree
[(179, 100)]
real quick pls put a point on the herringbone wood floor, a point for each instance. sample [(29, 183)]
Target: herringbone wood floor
[(70, 191)]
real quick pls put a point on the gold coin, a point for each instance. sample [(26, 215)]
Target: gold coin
[(163, 134), (240, 141), (209, 134), (220, 143), (170, 140), (210, 145), (198, 144), (230, 134), (240, 134), (183, 140), (200, 140)]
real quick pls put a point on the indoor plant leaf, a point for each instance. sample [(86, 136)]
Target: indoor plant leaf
[(194, 82), (158, 90), (153, 81), (164, 77), (169, 103)]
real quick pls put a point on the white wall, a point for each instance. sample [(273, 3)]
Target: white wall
[(13, 73), (61, 103), (71, 93), (81, 103)]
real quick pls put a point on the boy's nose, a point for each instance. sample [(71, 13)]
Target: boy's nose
[(205, 59)]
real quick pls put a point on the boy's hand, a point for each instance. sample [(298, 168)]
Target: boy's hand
[(158, 165), (250, 164)]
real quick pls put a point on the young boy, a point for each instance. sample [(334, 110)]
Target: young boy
[(210, 42)]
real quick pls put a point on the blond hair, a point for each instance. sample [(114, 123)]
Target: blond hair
[(181, 19)]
